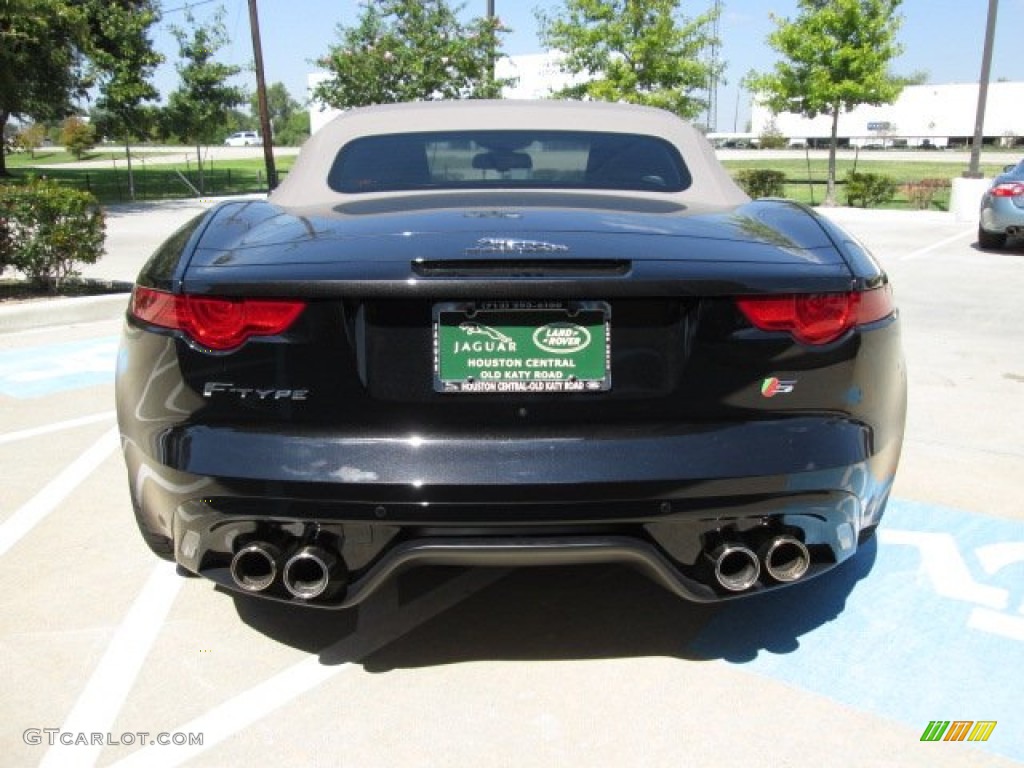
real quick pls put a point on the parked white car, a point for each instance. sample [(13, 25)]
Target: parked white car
[(243, 139)]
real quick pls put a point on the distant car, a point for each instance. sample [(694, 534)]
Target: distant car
[(509, 333), (1002, 208), (243, 139)]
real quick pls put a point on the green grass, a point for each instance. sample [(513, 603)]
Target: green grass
[(158, 181), (908, 172), (54, 155), (234, 177)]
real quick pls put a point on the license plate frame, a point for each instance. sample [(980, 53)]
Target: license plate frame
[(522, 347)]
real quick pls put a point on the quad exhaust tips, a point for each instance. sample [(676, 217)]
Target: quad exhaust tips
[(737, 567), (254, 566)]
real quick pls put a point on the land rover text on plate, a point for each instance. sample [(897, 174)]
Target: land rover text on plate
[(509, 333)]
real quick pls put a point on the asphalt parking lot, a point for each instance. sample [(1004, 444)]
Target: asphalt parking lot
[(107, 652)]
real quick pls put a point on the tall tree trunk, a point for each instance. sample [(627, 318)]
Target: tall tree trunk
[(3, 155), (131, 177), (199, 163), (830, 192)]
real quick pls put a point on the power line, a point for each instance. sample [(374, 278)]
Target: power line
[(186, 7)]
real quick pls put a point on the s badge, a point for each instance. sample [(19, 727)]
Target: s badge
[(772, 386)]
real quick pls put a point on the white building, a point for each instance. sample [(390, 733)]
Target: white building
[(941, 115), (532, 76)]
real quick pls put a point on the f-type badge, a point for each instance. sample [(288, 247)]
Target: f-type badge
[(503, 245)]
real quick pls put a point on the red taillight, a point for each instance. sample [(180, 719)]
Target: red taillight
[(1008, 189), (820, 317), (219, 324)]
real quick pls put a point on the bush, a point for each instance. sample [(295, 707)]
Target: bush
[(921, 194), (772, 138), (47, 230), (762, 183), (866, 190)]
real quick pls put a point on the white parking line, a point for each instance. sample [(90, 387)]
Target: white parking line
[(946, 569), (57, 426), (936, 246), (996, 623), (104, 695), (39, 506), (250, 706)]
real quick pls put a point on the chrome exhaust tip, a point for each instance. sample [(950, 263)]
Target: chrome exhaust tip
[(254, 566), (308, 573), (736, 567), (786, 558)]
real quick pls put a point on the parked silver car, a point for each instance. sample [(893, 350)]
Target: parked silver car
[(1002, 208)]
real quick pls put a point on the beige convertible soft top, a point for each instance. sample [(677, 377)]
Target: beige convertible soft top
[(306, 185)]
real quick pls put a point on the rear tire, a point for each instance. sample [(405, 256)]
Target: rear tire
[(991, 240)]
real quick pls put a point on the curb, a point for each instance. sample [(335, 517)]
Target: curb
[(47, 313)]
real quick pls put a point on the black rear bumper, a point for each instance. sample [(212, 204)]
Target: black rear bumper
[(673, 542), (664, 503)]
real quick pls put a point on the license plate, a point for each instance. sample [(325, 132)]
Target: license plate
[(522, 347)]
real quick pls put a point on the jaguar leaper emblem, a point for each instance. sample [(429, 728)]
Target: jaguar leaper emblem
[(475, 329)]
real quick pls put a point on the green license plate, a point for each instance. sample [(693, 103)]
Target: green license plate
[(528, 347)]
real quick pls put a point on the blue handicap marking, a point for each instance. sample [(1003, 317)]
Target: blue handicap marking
[(925, 623), (38, 371)]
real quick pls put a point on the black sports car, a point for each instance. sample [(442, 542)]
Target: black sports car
[(511, 333)]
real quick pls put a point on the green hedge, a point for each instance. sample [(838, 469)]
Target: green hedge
[(866, 190), (762, 182), (48, 230)]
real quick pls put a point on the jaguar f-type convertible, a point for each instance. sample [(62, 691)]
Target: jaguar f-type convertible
[(516, 334)]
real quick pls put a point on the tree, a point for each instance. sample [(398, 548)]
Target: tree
[(295, 131), (53, 51), (124, 59), (77, 136), (198, 111), (41, 63), (410, 50), (638, 51), (280, 105), (836, 55), (30, 138)]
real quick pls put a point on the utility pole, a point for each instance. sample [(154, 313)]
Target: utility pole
[(974, 171), (261, 96), (712, 121), (491, 63)]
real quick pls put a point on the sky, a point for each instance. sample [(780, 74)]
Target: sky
[(941, 37)]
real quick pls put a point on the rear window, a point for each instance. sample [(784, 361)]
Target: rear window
[(508, 159)]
